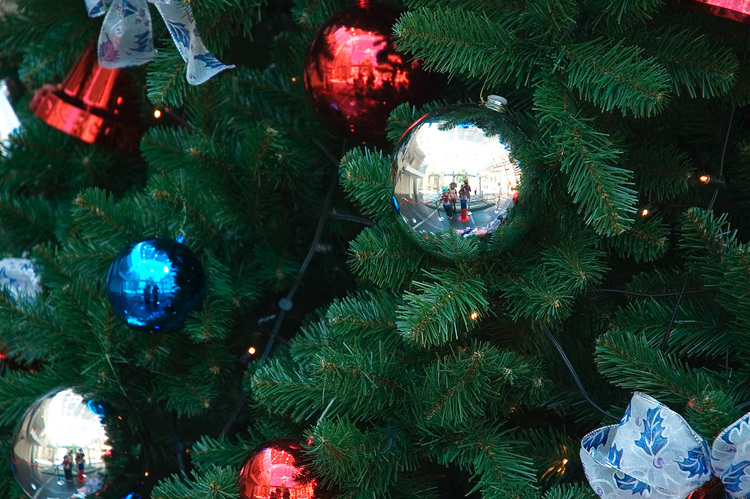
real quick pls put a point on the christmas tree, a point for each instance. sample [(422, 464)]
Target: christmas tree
[(407, 363)]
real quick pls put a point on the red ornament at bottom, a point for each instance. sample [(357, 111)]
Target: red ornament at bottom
[(712, 489), (736, 10), (278, 469)]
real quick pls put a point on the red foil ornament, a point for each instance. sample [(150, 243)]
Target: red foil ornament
[(353, 75), (712, 489), (93, 104), (277, 470), (736, 10)]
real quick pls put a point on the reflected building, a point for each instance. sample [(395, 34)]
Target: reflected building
[(57, 425), (440, 150)]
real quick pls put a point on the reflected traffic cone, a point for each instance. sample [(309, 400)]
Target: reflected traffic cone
[(464, 216), (93, 104)]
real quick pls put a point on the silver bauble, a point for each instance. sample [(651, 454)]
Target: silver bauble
[(57, 425), (458, 182)]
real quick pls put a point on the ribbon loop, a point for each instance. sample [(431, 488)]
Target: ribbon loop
[(730, 458), (652, 452), (126, 38)]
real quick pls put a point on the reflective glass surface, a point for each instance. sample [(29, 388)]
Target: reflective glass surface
[(456, 169), (275, 471), (353, 75), (153, 285), (58, 449)]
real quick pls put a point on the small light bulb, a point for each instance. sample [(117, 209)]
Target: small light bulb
[(294, 79), (251, 350), (157, 114), (704, 178), (644, 212), (474, 316), (565, 461)]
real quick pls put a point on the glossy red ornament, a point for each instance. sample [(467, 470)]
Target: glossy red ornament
[(93, 104), (353, 75), (277, 470), (736, 10), (712, 489)]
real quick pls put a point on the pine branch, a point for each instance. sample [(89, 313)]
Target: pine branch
[(404, 116), (216, 483), (614, 76), (466, 384), (629, 361), (500, 470), (450, 304), (707, 70), (366, 177), (646, 241), (385, 257), (166, 83), (209, 452), (462, 42), (360, 463), (589, 158), (570, 491), (18, 390), (662, 171), (368, 315), (629, 9)]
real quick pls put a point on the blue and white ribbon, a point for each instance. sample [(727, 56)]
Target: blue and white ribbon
[(126, 39), (19, 275), (654, 453)]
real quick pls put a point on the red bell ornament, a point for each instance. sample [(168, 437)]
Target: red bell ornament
[(736, 10), (278, 469), (93, 104), (353, 75)]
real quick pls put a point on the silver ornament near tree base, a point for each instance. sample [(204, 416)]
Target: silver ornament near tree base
[(59, 447), (457, 175)]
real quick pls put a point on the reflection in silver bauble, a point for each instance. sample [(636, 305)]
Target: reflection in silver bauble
[(57, 425), (457, 175)]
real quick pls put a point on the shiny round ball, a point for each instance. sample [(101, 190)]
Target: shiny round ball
[(59, 448), (153, 285), (353, 75), (277, 469), (457, 175)]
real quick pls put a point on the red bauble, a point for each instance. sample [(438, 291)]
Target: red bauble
[(93, 104), (736, 10), (353, 75), (712, 489), (278, 469)]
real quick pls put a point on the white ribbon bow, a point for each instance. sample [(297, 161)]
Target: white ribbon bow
[(126, 39), (654, 453)]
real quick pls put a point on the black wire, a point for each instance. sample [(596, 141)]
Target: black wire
[(280, 318), (654, 295), (668, 332), (573, 372)]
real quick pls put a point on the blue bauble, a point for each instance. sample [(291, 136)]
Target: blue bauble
[(153, 285)]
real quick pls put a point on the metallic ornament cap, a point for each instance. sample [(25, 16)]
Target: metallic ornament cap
[(496, 103)]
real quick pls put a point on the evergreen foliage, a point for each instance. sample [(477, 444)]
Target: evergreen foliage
[(408, 366)]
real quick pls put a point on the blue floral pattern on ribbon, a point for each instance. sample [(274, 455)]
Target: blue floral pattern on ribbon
[(654, 453), (20, 277), (126, 39)]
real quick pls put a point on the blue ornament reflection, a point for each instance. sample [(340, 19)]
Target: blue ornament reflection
[(153, 285)]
